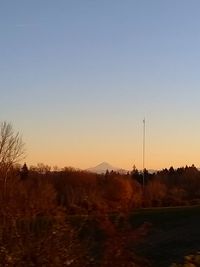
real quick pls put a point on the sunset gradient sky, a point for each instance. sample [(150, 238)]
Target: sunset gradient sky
[(77, 78)]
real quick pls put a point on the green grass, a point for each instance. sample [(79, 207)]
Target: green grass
[(173, 233)]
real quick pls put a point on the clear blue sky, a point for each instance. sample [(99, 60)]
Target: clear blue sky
[(78, 76)]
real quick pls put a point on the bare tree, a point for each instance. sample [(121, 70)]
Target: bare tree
[(11, 147)]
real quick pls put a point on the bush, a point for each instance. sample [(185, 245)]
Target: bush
[(189, 261)]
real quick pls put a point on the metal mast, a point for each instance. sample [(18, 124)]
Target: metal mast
[(143, 182)]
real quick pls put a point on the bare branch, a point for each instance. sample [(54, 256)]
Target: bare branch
[(11, 146)]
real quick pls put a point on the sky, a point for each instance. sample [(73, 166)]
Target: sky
[(77, 77)]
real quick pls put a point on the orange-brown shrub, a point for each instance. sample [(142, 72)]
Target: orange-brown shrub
[(117, 192), (33, 228), (155, 193)]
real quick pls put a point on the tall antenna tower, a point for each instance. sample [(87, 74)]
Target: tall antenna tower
[(144, 129)]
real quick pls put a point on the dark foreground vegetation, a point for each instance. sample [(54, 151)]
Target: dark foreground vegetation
[(65, 218), (75, 218)]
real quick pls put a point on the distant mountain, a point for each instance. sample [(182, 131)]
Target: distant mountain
[(103, 167), (151, 171)]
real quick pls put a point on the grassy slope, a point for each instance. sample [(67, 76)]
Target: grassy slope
[(174, 232)]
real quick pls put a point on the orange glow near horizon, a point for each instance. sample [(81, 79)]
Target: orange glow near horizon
[(85, 156)]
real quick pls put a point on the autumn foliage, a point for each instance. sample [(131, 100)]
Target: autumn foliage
[(76, 218)]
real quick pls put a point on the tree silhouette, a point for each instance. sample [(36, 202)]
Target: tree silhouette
[(11, 147)]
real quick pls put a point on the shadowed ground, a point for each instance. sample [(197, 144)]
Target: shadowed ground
[(174, 232)]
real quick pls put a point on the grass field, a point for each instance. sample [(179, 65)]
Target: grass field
[(173, 233)]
